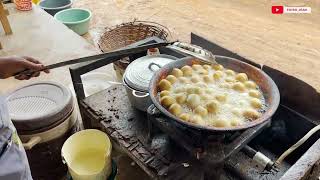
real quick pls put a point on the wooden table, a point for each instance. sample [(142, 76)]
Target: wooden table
[(37, 34)]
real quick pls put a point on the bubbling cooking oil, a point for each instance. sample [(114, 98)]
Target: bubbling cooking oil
[(230, 108)]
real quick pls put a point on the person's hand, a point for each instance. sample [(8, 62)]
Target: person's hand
[(10, 66)]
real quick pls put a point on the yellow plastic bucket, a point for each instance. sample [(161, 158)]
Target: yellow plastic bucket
[(88, 155)]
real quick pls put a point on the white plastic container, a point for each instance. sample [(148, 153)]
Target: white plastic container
[(94, 82), (44, 115)]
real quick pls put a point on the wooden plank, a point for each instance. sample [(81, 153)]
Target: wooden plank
[(4, 20)]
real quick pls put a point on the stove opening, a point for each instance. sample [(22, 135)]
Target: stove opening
[(286, 129)]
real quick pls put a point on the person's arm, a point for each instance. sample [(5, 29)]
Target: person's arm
[(9, 66)]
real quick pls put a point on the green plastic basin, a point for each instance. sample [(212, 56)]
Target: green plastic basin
[(76, 19), (54, 6)]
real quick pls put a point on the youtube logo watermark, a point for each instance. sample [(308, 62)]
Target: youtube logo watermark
[(277, 9), (290, 10)]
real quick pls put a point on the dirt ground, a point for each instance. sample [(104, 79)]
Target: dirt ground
[(289, 42)]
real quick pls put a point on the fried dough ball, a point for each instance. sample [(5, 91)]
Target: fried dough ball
[(206, 97), (184, 80), (166, 101), (180, 90), (164, 85), (196, 67), (201, 84), (203, 72), (195, 78), (238, 86), (225, 85), (235, 122), (172, 79), (164, 93), (181, 98), (206, 67), (176, 72), (229, 79), (198, 90), (244, 102), (209, 91), (251, 114), (250, 84), (196, 119), (254, 93), (190, 89), (217, 67), (221, 97), (201, 111), (227, 106), (187, 70), (184, 116), (230, 72), (256, 103), (207, 79), (212, 106), (242, 77), (217, 75), (193, 100), (221, 123), (236, 111), (175, 109)]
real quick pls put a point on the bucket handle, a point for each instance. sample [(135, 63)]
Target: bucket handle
[(63, 160), (32, 142)]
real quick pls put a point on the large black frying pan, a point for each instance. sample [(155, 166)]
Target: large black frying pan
[(268, 87)]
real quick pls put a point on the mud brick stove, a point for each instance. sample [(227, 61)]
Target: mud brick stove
[(166, 150)]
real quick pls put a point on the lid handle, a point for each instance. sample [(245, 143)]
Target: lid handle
[(143, 95), (154, 64)]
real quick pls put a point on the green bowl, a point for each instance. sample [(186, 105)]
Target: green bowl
[(54, 6), (76, 19)]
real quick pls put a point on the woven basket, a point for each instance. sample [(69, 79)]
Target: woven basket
[(127, 33)]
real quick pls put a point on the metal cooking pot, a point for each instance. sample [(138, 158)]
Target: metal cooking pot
[(268, 87), (137, 77)]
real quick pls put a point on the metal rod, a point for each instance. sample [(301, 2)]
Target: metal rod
[(100, 57), (249, 151)]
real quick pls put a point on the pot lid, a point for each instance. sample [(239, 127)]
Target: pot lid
[(139, 73), (39, 105)]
